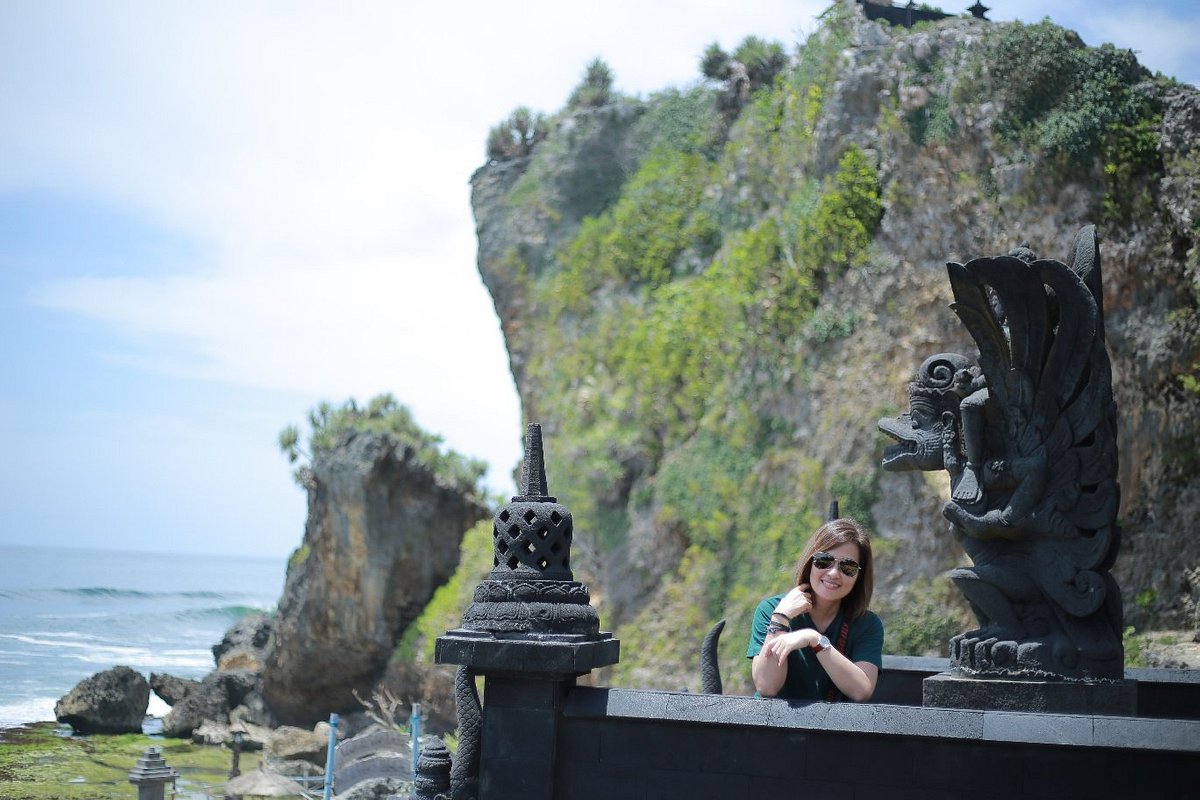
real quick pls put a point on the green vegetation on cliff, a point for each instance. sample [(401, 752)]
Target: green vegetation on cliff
[(383, 414), (711, 294), (671, 309)]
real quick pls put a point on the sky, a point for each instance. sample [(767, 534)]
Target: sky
[(215, 215)]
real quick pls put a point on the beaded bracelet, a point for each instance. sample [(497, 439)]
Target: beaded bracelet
[(776, 627)]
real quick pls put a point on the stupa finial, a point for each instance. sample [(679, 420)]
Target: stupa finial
[(533, 472)]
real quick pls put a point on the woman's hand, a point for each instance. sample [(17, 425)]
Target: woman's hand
[(778, 647), (796, 602)]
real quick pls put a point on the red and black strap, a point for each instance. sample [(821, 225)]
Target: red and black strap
[(843, 638)]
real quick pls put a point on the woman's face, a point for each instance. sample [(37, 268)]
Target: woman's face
[(832, 584)]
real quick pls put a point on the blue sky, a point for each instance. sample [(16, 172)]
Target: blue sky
[(215, 215)]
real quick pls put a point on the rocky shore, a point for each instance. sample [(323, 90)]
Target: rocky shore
[(383, 533)]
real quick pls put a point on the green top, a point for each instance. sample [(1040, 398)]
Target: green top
[(806, 678)]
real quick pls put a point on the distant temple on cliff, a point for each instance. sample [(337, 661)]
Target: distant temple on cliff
[(911, 14)]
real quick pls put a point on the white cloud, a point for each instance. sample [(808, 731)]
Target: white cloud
[(319, 155)]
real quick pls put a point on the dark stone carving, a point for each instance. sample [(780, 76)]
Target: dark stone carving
[(432, 781), (529, 631), (530, 588), (1027, 433), (464, 775), (151, 775), (710, 669)]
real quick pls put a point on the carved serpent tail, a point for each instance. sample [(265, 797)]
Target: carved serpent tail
[(710, 670), (464, 774)]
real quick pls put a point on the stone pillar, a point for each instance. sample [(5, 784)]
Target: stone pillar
[(432, 778), (151, 775), (530, 632)]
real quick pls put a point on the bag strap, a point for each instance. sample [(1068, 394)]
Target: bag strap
[(843, 638)]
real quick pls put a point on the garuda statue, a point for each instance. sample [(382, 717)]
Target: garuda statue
[(1027, 433)]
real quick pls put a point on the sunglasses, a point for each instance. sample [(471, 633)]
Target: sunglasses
[(848, 566)]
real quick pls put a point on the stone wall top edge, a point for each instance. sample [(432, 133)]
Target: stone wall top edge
[(1009, 727)]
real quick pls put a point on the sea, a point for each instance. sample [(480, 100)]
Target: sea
[(66, 614)]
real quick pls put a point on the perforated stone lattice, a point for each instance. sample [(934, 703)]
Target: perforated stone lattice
[(533, 539)]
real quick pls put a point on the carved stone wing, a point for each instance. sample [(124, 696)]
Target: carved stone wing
[(1039, 329)]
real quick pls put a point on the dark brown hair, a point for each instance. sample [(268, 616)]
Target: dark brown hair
[(830, 535)]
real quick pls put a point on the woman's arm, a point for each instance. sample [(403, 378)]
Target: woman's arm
[(855, 679), (768, 672)]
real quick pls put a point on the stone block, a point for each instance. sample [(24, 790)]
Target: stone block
[(948, 690)]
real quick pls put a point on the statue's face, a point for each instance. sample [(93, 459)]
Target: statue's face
[(918, 436)]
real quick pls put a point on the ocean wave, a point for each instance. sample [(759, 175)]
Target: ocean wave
[(23, 712), (107, 592), (52, 639), (111, 592), (222, 612), (93, 651)]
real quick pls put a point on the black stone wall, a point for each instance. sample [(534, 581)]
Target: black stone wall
[(615, 743)]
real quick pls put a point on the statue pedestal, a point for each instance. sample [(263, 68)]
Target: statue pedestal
[(545, 654), (527, 677), (1106, 698)]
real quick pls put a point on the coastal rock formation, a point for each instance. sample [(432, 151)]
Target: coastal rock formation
[(382, 534), (113, 701), (244, 645), (289, 743), (709, 344), (218, 693), (170, 688)]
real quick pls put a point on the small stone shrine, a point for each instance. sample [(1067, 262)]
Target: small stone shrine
[(151, 775), (1027, 433), (529, 631)]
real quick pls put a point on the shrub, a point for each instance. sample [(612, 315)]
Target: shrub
[(754, 65), (516, 136), (763, 60), (845, 218), (1060, 96), (382, 414), (596, 88)]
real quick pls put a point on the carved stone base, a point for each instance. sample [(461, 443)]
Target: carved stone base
[(544, 653), (528, 606), (1109, 698)]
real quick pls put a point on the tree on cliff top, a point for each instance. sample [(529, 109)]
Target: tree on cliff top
[(516, 136), (596, 88), (753, 65), (383, 414)]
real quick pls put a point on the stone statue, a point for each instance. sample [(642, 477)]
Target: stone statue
[(1027, 433)]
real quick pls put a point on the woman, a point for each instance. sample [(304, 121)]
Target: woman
[(819, 641)]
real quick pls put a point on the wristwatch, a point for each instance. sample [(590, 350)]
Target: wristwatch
[(822, 644)]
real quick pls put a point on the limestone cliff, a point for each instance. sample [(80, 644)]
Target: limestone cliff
[(383, 532), (707, 309)]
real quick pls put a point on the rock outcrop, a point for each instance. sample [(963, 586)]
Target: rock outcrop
[(113, 701), (218, 693), (170, 688), (710, 348), (382, 534), (244, 646)]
